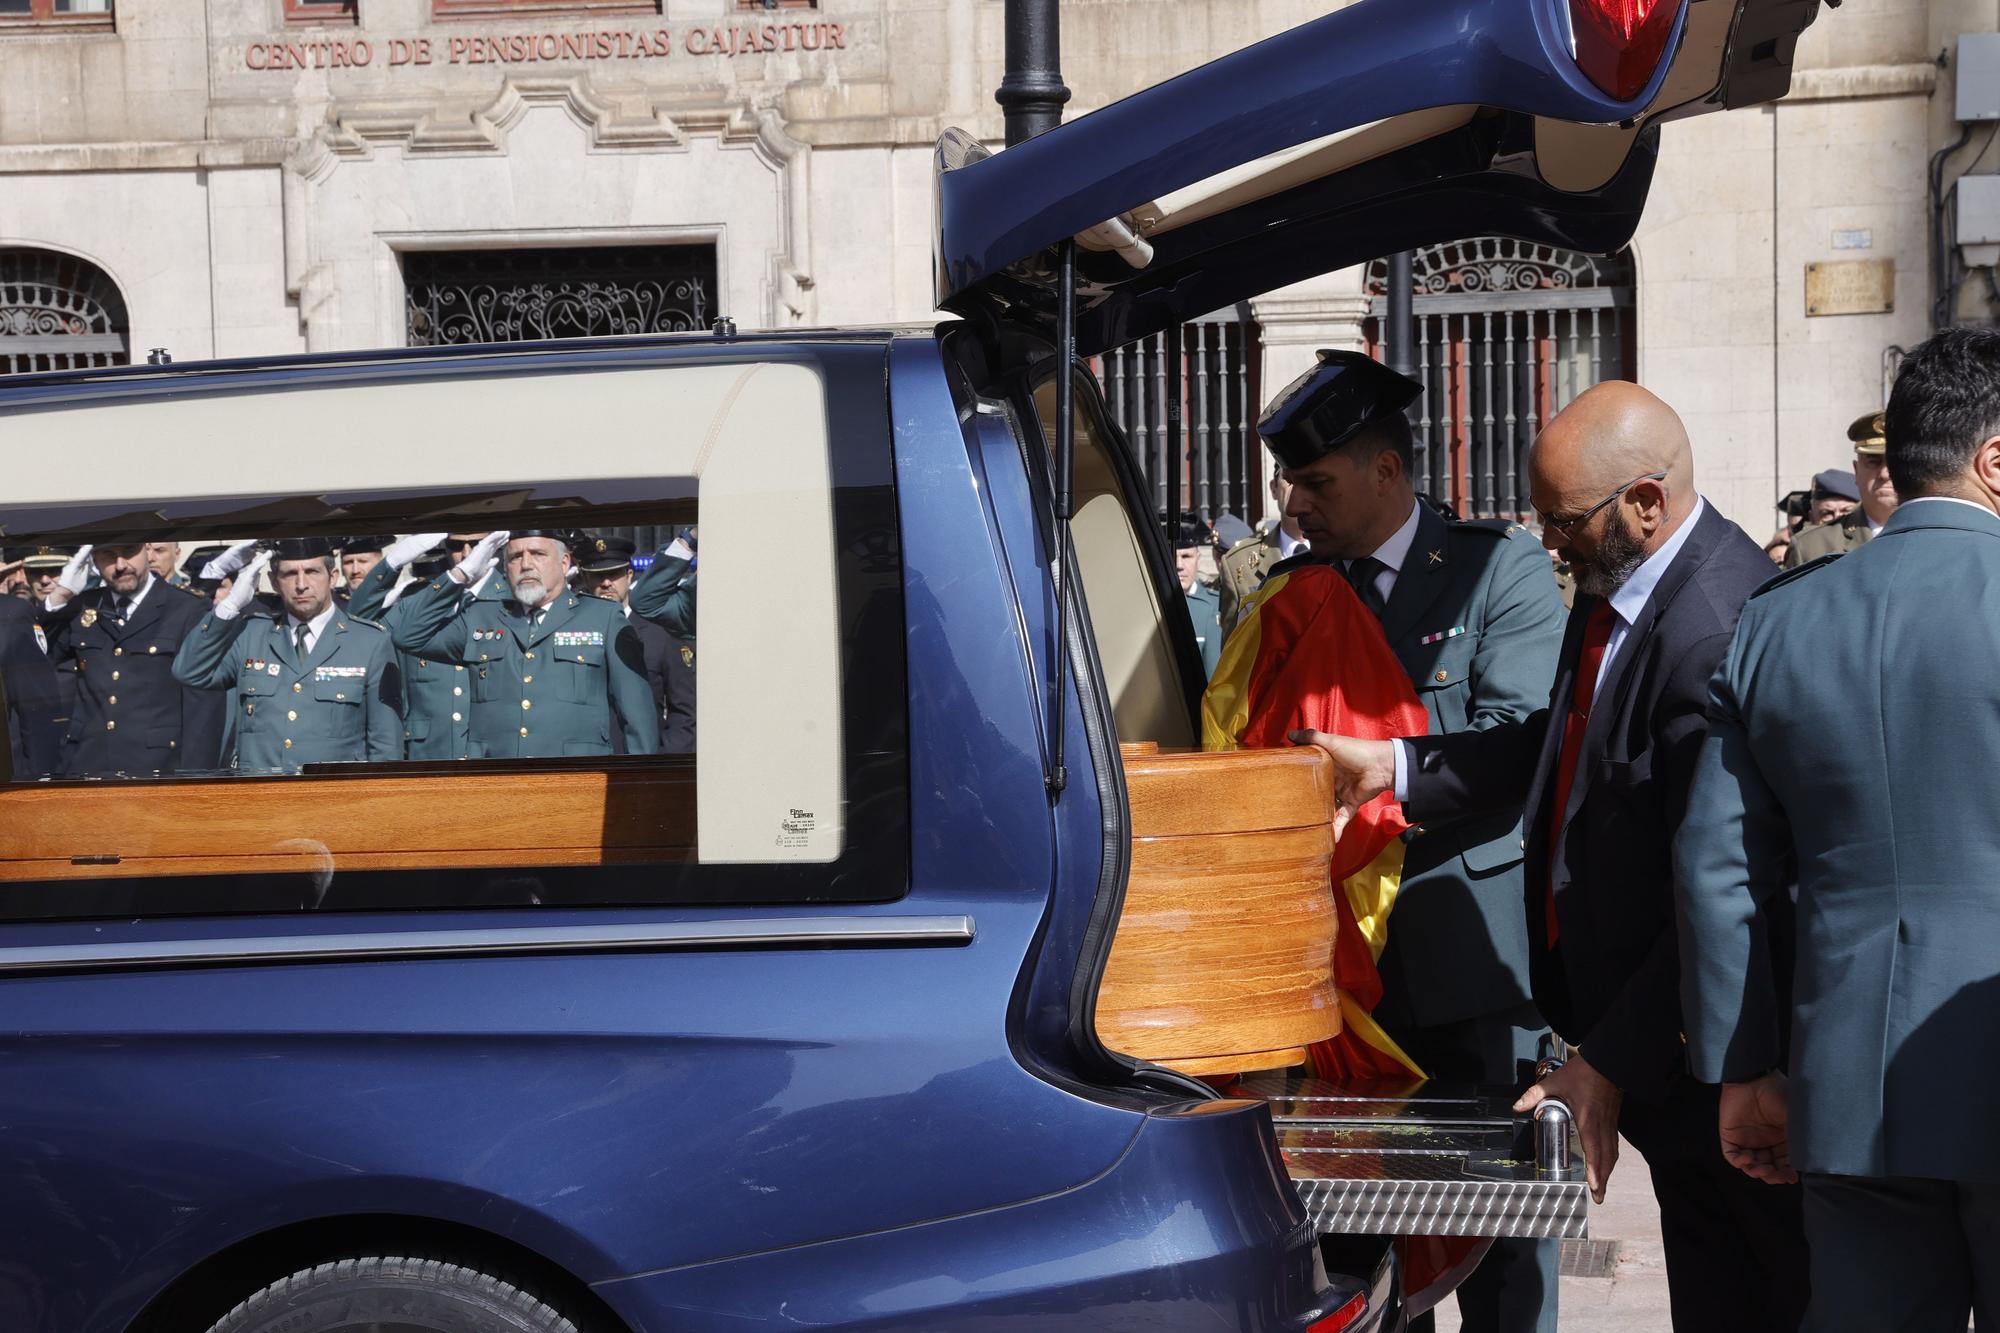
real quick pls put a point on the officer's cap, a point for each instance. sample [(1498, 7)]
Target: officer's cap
[(602, 555), (1331, 404), (1230, 530), (38, 557), (565, 536), (1866, 432), (1191, 531), (363, 545), (301, 548), (1836, 483), (431, 563)]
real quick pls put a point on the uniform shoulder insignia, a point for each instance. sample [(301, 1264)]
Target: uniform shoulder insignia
[(365, 622), (1245, 543), (1799, 573), (1298, 561)]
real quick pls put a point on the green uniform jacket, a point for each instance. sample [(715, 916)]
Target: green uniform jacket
[(1204, 610), (538, 690), (1846, 533), (1476, 622), (1852, 738), (664, 594), (1244, 566), (438, 698), (341, 705)]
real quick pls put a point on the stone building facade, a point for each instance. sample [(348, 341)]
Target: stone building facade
[(256, 177)]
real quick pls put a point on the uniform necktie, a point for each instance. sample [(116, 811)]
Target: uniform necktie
[(124, 609), (299, 636), (1362, 574), (1596, 636)]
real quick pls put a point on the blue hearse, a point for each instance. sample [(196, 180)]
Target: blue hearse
[(794, 1030)]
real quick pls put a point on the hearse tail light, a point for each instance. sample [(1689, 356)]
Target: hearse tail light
[(1619, 43), (1341, 1318)]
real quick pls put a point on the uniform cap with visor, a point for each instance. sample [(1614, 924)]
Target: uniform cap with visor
[(1332, 403), (1867, 435)]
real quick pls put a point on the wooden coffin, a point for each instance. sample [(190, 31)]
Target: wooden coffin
[(1223, 958)]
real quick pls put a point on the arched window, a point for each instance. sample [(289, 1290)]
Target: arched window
[(1507, 332), (58, 312)]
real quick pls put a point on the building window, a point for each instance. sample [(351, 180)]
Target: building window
[(58, 312), (478, 296), (504, 8), (1507, 333), (70, 13), (319, 11)]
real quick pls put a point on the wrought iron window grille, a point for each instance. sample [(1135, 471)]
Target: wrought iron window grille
[(58, 312), (474, 296)]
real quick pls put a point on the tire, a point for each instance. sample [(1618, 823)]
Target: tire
[(393, 1294)]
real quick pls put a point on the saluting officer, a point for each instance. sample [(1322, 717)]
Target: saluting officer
[(313, 686), (553, 672), (1203, 607), (604, 566), (665, 593), (1246, 563), (131, 716), (437, 694), (358, 556), (1878, 499)]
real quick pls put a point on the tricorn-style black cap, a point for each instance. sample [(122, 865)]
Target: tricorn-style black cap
[(601, 555), (301, 548), (430, 564), (1331, 404), (363, 545), (567, 536), (1191, 531)]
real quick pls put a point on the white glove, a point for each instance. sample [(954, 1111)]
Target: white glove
[(245, 588), (230, 560), (400, 553), (678, 549), (479, 561), (75, 577)]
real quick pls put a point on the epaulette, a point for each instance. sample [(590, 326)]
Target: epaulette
[(1254, 539), (1498, 527), (1788, 575), (364, 620)]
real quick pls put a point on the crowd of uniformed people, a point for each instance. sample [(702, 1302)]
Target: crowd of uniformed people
[(133, 658)]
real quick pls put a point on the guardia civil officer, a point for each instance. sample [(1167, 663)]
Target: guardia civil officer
[(1191, 539), (665, 593), (437, 694), (1875, 488), (552, 672), (311, 686), (1471, 613), (1885, 823), (1246, 563), (604, 566), (358, 556), (131, 716)]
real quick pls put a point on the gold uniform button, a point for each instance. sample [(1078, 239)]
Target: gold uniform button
[(114, 675), (421, 664), (249, 708), (527, 680), (113, 701), (291, 717), (1443, 676), (152, 647), (118, 652), (111, 726), (296, 687), (531, 657), (457, 690), (338, 695), (526, 704), (524, 731), (288, 742), (458, 717)]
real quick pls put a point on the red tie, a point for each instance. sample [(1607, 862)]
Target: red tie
[(1596, 634)]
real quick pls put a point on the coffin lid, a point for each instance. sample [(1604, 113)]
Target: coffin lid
[(1384, 126)]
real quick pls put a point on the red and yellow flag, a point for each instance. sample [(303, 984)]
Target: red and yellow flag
[(1308, 654)]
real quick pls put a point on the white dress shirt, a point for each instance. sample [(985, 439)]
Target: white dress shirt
[(1394, 552), (314, 628), (1289, 546)]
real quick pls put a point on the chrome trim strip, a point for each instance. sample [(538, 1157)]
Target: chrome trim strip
[(781, 933)]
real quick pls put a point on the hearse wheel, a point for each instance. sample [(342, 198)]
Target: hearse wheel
[(391, 1294)]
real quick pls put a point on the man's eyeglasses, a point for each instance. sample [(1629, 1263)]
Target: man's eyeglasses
[(1566, 527)]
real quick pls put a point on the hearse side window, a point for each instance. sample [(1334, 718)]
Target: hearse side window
[(564, 681)]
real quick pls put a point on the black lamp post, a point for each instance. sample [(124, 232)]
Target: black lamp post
[(1032, 93)]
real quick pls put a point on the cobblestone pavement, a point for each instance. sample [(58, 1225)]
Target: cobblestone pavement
[(1632, 1298)]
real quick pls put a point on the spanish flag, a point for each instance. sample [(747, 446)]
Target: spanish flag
[(1308, 654)]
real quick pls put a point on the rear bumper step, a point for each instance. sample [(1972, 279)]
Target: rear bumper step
[(1436, 1160)]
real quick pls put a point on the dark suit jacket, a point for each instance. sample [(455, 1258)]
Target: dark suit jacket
[(28, 682), (145, 721), (670, 673), (1854, 735), (1612, 985)]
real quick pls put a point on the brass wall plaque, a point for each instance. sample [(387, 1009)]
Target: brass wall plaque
[(1851, 287)]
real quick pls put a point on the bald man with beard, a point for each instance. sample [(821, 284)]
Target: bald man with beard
[(1606, 767)]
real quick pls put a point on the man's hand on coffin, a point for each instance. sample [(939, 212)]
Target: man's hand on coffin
[(244, 589), (1594, 1102), (1362, 770), (479, 561)]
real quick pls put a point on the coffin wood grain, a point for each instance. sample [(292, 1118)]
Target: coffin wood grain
[(1223, 957), (289, 824)]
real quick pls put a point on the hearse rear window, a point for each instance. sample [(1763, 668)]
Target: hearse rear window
[(623, 635)]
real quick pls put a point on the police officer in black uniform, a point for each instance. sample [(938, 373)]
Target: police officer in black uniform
[(604, 569), (132, 717)]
